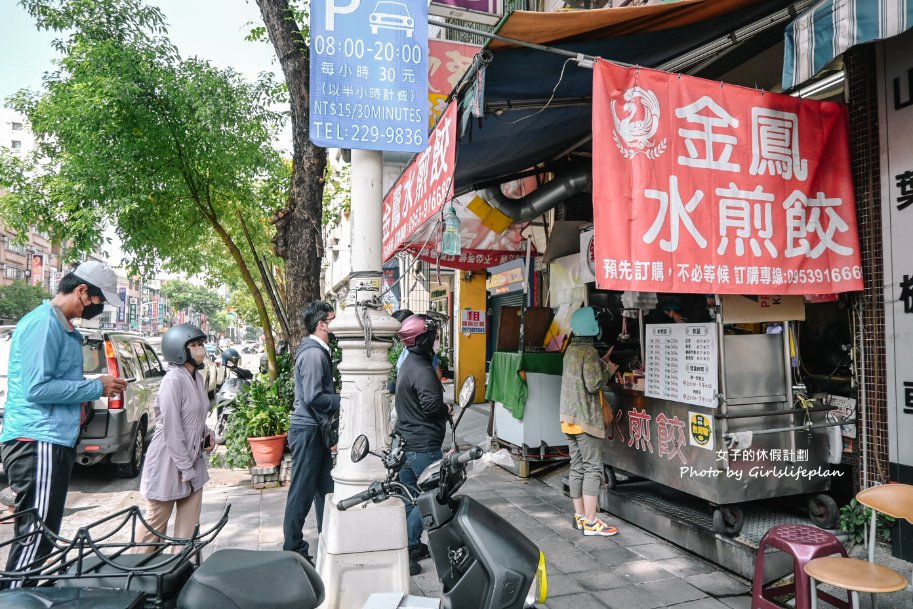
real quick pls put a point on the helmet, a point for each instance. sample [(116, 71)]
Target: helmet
[(231, 355), (174, 343), (583, 322), (415, 326), (402, 315)]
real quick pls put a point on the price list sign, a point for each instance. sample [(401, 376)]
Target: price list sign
[(369, 74), (682, 363)]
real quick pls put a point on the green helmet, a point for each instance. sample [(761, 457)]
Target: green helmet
[(583, 322)]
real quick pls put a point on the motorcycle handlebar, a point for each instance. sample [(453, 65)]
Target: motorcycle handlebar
[(465, 457), (354, 500)]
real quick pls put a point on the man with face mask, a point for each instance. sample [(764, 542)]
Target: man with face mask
[(421, 417), (315, 400), (46, 389)]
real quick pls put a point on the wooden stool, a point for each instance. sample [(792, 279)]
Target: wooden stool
[(803, 544), (857, 575)]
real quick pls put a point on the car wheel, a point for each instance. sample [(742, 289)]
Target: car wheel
[(132, 468)]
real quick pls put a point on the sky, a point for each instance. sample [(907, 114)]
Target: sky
[(209, 29)]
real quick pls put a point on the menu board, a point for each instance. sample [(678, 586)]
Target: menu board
[(682, 363)]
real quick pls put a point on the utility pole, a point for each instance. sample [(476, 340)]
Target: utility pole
[(351, 563)]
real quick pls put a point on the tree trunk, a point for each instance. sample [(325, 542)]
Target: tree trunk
[(298, 238)]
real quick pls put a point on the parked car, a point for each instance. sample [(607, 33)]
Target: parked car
[(119, 426)]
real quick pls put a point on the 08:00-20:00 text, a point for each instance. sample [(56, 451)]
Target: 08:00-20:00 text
[(357, 49)]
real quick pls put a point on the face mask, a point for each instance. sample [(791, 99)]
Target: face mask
[(199, 356), (91, 310)]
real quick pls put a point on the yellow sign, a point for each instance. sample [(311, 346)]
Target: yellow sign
[(700, 426)]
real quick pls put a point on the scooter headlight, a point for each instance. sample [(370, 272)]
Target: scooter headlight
[(539, 589)]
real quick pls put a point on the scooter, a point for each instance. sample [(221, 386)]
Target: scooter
[(226, 396), (482, 560)]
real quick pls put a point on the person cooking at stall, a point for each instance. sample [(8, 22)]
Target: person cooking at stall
[(584, 419), (672, 308)]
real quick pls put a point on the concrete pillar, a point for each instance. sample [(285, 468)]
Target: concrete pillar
[(470, 348), (363, 551)]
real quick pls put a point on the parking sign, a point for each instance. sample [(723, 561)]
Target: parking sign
[(369, 74)]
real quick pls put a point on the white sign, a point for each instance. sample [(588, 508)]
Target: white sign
[(587, 256), (846, 409), (895, 119), (472, 322), (682, 363)]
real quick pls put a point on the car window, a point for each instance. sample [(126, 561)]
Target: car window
[(155, 367), (141, 357), (93, 358), (127, 359)]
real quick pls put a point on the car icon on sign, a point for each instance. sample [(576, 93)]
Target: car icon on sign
[(392, 16)]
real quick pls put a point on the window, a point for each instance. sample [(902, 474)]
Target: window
[(16, 248), (93, 358), (127, 359), (155, 367), (16, 145), (14, 273), (16, 126), (140, 354)]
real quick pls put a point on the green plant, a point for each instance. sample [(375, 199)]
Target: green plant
[(854, 517), (444, 360), (393, 357), (262, 409)]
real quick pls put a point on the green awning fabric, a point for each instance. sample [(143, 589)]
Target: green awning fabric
[(505, 385)]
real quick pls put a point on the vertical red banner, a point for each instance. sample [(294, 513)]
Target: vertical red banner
[(703, 187)]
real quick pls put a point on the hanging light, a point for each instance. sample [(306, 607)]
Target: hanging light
[(450, 244)]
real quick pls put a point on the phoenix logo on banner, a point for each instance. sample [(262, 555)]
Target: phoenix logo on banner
[(709, 188)]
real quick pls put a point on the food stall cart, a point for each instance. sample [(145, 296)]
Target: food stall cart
[(525, 386), (716, 416)]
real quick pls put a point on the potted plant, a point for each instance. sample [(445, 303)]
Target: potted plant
[(258, 427)]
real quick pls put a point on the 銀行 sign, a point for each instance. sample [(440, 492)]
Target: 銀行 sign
[(717, 189), (369, 74)]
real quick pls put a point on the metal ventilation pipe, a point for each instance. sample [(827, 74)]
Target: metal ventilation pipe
[(576, 179)]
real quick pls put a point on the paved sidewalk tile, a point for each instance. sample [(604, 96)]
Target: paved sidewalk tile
[(718, 584), (576, 601)]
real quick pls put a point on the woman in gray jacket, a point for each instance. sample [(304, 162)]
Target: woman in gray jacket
[(176, 466)]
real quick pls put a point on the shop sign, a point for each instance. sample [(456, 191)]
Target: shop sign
[(700, 430), (122, 311), (588, 256), (717, 189), (472, 322), (681, 363), (506, 276), (896, 122), (447, 63), (487, 12), (369, 75), (423, 188), (391, 291)]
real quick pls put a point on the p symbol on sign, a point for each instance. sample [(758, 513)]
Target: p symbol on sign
[(333, 10)]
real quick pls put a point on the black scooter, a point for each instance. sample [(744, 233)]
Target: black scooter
[(482, 560), (226, 397)]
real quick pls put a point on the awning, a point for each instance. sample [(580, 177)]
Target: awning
[(830, 27), (516, 133)]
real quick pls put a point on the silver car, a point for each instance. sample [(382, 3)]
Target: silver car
[(118, 430)]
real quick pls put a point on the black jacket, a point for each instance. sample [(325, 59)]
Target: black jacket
[(420, 409), (315, 393)]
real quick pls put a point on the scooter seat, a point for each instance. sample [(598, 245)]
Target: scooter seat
[(98, 574), (248, 579)]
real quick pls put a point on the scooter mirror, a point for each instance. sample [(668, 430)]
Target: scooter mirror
[(360, 448), (467, 391)]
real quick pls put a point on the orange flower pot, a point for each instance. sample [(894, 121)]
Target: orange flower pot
[(267, 451)]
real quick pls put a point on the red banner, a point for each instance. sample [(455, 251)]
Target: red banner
[(423, 188), (710, 188)]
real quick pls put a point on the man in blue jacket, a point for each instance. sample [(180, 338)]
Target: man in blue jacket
[(315, 400), (46, 388)]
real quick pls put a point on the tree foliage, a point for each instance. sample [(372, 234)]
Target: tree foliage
[(185, 295), (175, 153), (18, 298)]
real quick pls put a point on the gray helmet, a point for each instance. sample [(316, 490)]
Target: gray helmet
[(174, 343)]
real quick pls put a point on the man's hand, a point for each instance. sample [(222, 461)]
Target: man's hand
[(111, 385), (608, 354)]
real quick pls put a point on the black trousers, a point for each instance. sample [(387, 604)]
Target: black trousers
[(311, 482), (39, 474)]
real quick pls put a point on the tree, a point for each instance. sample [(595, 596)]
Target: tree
[(184, 295), (18, 298), (298, 239), (243, 305), (173, 152)]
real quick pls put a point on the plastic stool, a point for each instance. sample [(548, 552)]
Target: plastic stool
[(803, 543)]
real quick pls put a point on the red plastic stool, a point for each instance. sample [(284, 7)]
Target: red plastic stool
[(803, 543)]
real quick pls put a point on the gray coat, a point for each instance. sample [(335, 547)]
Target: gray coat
[(315, 392), (176, 465)]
